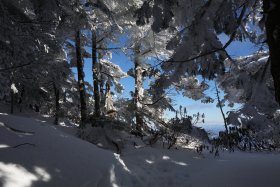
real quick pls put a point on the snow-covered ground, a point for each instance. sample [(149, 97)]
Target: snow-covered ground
[(36, 153)]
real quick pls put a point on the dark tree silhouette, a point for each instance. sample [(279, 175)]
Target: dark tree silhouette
[(271, 10), (81, 83)]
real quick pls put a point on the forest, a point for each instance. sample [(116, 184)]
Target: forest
[(63, 107)]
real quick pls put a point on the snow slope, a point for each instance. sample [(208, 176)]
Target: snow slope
[(57, 159)]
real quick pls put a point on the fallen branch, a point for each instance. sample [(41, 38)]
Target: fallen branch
[(31, 144)]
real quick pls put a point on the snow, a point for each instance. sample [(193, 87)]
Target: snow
[(53, 156), (13, 87), (67, 160), (184, 168)]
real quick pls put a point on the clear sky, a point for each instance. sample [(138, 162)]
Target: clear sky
[(212, 113)]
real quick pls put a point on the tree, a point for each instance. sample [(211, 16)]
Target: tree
[(197, 47), (138, 93), (110, 75), (95, 76), (272, 25), (104, 29), (251, 84), (220, 104), (81, 83)]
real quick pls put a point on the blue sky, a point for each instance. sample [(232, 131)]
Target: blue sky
[(212, 113)]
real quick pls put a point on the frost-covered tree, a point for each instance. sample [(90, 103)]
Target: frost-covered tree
[(28, 30), (199, 51), (104, 19), (251, 84), (148, 46), (121, 18), (181, 37), (110, 75), (37, 33)]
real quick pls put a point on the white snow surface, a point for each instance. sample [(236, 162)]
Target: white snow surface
[(54, 157)]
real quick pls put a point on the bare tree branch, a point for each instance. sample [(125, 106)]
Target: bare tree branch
[(15, 67), (31, 144)]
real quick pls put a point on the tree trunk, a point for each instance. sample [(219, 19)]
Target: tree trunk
[(57, 107), (271, 10), (108, 88), (221, 109), (81, 84), (106, 98), (94, 76), (102, 97), (138, 90), (12, 102), (227, 140), (21, 98), (101, 93)]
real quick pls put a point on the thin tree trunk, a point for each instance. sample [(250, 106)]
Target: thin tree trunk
[(12, 102), (101, 93), (107, 90), (221, 109), (81, 83), (102, 97), (57, 107), (271, 10), (94, 76), (21, 98), (138, 90), (224, 117)]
